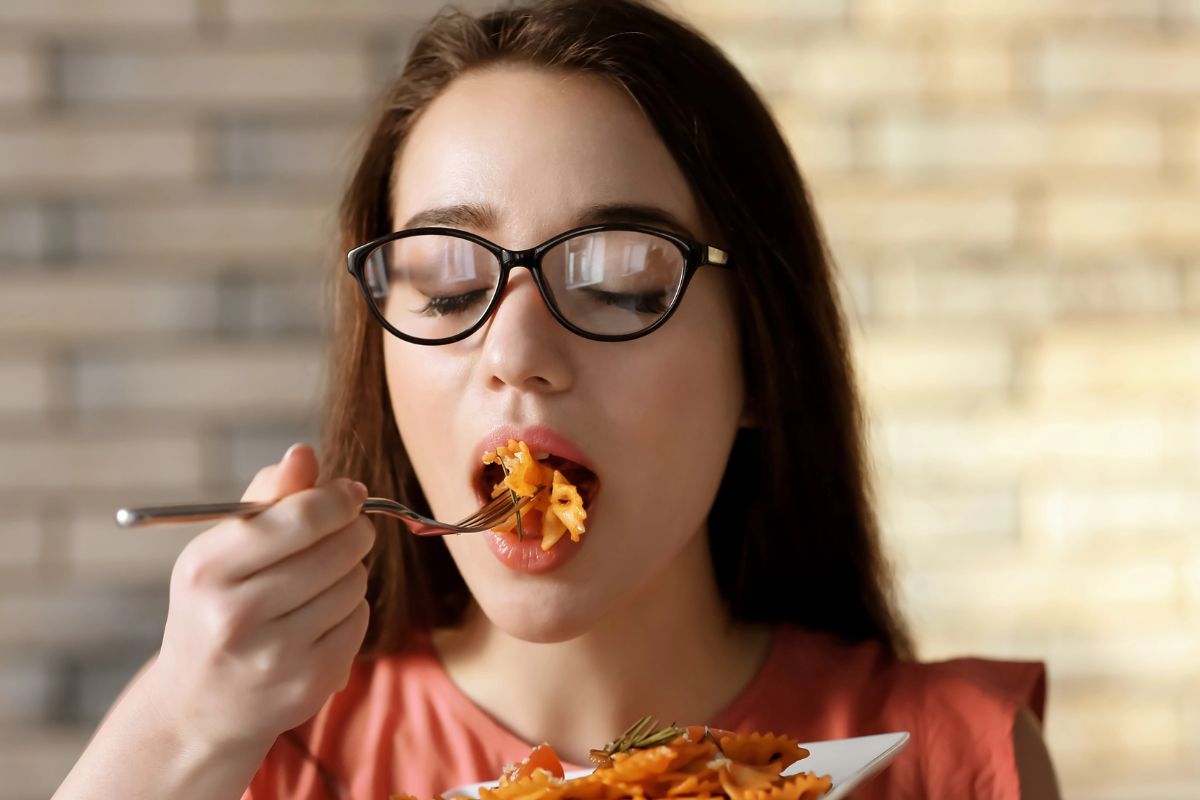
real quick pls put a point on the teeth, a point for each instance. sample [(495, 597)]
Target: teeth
[(540, 456)]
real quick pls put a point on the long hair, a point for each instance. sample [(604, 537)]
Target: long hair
[(792, 531)]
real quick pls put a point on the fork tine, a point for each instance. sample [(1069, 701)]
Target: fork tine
[(497, 504), (499, 509)]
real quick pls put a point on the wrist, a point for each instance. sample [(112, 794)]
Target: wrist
[(195, 745)]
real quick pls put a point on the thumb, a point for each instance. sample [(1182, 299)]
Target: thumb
[(297, 470)]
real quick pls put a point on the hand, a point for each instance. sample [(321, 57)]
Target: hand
[(267, 613)]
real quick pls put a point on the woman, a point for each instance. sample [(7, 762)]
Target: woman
[(630, 278)]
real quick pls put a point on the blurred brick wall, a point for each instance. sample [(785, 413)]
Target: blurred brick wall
[(1012, 189)]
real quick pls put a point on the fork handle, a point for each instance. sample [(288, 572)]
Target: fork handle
[(185, 512)]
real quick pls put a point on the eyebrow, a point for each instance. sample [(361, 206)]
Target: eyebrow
[(460, 215), (481, 216)]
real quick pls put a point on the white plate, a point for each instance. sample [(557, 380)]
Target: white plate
[(848, 761)]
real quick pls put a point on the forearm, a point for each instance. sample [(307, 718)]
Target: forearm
[(136, 754)]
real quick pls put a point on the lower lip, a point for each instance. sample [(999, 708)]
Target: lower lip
[(526, 554)]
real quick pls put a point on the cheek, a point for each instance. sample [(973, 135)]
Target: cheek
[(421, 390), (680, 408)]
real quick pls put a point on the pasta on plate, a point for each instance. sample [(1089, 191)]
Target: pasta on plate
[(695, 763)]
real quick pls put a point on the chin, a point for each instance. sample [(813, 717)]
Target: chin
[(540, 617)]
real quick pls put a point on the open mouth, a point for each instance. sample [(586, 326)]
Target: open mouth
[(585, 481)]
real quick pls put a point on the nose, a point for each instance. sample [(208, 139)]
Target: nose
[(524, 347)]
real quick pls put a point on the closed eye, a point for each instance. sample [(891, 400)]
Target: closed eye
[(452, 304), (642, 303)]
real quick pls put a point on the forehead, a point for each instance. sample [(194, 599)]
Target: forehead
[(537, 146)]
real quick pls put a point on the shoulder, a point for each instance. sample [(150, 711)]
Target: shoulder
[(972, 720)]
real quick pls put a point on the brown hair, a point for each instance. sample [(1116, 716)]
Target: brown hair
[(792, 531)]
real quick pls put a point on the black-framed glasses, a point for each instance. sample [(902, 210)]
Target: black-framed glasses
[(610, 282)]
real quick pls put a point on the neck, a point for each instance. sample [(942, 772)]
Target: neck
[(671, 652)]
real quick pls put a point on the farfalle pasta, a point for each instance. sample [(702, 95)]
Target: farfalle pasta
[(557, 499), (696, 763)]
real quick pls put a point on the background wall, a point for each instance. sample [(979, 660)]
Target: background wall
[(1012, 189)]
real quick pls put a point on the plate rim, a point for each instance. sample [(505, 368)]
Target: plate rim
[(470, 791)]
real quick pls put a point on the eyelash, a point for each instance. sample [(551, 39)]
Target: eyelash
[(639, 300), (456, 304)]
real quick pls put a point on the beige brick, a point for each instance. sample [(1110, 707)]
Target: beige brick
[(69, 156), (254, 446), (1010, 143), (880, 215), (1139, 68), (44, 462), (94, 304), (261, 228), (1085, 441), (27, 690), (929, 523), (99, 552), (28, 386), (311, 13), (1190, 584), (87, 617), (1006, 16), (267, 380), (949, 368), (1185, 143), (1057, 516), (836, 72), (922, 291), (1133, 286), (853, 71), (59, 16), (22, 76), (1090, 782), (970, 72), (34, 760), (1129, 725), (218, 76), (26, 231), (1147, 361), (714, 16), (285, 306), (1137, 218), (819, 143), (1018, 591), (1191, 288), (20, 541), (1181, 12), (263, 151)]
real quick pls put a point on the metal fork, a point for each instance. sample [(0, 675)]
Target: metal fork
[(486, 518)]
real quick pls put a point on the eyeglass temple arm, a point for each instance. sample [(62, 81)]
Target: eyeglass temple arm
[(715, 256)]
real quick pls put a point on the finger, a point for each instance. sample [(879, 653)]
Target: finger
[(318, 616), (294, 581), (342, 642), (292, 525), (297, 470)]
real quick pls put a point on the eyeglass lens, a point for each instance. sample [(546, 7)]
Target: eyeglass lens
[(613, 283)]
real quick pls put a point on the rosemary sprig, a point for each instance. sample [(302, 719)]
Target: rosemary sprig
[(640, 735), (515, 500)]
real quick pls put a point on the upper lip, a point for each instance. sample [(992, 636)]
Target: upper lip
[(539, 438)]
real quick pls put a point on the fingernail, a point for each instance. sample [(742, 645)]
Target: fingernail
[(291, 450), (358, 491)]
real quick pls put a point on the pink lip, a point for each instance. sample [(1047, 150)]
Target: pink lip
[(526, 554), (540, 438)]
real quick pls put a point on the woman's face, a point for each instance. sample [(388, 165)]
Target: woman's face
[(532, 153)]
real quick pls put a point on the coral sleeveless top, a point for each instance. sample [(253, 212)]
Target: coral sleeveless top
[(401, 724)]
